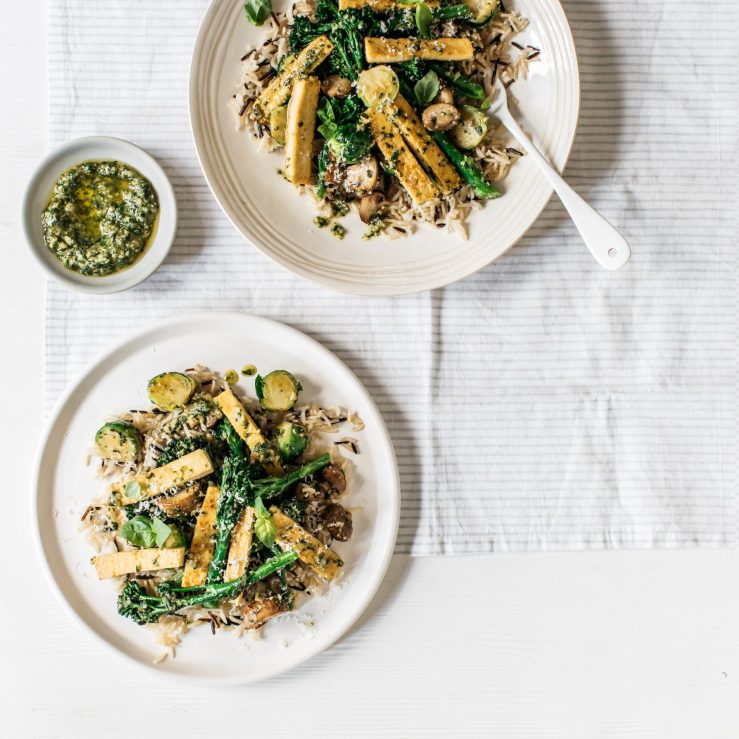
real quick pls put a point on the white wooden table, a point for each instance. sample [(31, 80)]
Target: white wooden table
[(595, 645)]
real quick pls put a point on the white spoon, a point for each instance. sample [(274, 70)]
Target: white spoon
[(606, 244)]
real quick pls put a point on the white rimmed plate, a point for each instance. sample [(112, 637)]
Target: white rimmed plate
[(99, 148), (269, 212), (116, 381)]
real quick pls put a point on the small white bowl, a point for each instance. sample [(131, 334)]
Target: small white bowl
[(99, 148)]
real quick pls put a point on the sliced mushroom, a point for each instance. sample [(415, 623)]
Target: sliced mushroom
[(440, 117), (445, 96), (180, 504), (336, 87), (338, 521), (370, 206), (361, 177), (308, 493), (335, 477), (258, 611)]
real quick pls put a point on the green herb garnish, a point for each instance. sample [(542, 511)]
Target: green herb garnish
[(427, 88), (257, 11)]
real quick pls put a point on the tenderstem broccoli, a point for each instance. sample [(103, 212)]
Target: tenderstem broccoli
[(139, 606), (239, 489)]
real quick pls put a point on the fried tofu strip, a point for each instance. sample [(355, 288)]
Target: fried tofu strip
[(248, 430), (280, 88), (424, 147), (400, 158), (300, 130), (137, 560), (293, 537), (238, 552), (203, 541), (380, 50), (191, 467)]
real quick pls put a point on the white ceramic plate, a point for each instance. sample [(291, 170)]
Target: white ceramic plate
[(270, 213), (98, 148), (117, 381)]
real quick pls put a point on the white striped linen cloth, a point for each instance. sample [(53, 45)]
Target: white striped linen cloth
[(542, 403)]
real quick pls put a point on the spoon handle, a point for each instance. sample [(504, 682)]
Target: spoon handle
[(606, 244)]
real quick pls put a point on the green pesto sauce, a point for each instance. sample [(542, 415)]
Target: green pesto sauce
[(100, 217)]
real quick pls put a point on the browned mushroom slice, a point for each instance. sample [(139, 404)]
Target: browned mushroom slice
[(440, 117), (445, 96), (259, 611), (335, 477), (180, 504), (338, 522), (361, 177), (370, 206), (335, 86)]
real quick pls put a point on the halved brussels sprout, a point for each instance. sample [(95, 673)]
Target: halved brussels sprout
[(170, 390), (377, 85), (291, 440), (471, 130), (481, 11), (175, 539), (119, 441), (278, 391)]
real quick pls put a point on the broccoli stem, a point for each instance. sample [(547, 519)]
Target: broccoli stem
[(465, 85), (135, 604), (467, 167), (239, 491), (270, 487), (451, 12)]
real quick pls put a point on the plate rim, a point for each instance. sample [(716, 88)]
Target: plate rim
[(369, 288), (36, 513)]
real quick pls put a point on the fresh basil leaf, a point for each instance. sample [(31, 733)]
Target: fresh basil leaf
[(327, 130), (325, 110), (132, 490), (427, 88), (265, 527), (257, 11), (424, 19), (139, 531), (259, 386), (259, 508), (161, 531)]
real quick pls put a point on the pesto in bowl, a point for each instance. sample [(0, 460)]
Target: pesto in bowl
[(100, 218)]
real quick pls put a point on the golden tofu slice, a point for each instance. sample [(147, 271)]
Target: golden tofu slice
[(300, 131), (247, 429), (381, 6), (380, 50), (192, 466), (238, 552), (424, 147), (292, 537), (280, 88), (203, 541), (400, 158), (137, 560)]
